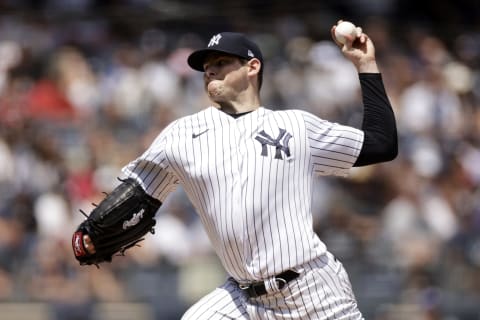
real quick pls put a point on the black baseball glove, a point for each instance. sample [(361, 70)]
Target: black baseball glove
[(119, 222)]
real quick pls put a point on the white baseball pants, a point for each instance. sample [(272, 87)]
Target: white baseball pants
[(321, 292)]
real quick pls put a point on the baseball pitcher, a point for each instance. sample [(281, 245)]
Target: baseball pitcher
[(248, 170)]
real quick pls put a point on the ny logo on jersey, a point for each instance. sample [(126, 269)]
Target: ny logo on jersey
[(215, 40), (280, 143)]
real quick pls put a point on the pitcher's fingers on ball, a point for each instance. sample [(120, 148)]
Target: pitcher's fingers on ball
[(359, 31)]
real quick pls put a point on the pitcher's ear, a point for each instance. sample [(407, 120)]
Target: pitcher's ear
[(254, 65)]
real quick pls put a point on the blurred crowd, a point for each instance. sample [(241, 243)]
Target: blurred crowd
[(77, 103)]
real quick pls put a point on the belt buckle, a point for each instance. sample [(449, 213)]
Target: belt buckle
[(249, 289), (281, 282), (243, 286)]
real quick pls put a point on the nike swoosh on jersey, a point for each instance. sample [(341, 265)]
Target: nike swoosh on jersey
[(196, 135)]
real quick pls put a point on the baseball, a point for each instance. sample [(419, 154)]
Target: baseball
[(345, 30)]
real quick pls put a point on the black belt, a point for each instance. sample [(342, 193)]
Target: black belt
[(258, 288)]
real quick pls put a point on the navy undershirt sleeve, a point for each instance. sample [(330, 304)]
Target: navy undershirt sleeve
[(380, 143)]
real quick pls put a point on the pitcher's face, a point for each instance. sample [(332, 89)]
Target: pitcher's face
[(225, 77)]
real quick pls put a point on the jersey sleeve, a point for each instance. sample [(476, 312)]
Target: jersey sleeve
[(152, 170), (334, 148), (379, 127)]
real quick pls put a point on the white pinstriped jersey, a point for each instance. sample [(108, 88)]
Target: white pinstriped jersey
[(250, 180)]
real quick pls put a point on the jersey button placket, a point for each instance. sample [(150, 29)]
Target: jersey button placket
[(239, 188)]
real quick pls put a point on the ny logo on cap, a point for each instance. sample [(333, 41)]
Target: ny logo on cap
[(215, 40)]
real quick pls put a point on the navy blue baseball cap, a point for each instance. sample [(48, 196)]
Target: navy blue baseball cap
[(236, 44)]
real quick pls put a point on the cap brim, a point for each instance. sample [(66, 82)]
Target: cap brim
[(197, 58)]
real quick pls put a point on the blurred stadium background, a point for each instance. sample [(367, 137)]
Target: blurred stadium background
[(86, 85)]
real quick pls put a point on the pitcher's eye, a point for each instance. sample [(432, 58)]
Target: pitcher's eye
[(221, 62)]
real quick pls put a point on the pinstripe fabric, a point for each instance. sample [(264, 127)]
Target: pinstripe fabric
[(225, 302), (322, 292), (250, 180)]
